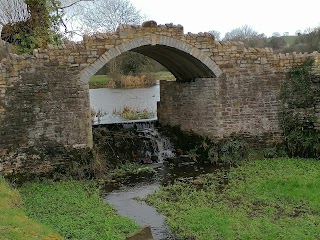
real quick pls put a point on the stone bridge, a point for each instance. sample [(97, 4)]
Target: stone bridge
[(222, 89)]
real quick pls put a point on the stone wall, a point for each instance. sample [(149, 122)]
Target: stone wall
[(244, 100), (222, 107), (222, 89), (42, 105)]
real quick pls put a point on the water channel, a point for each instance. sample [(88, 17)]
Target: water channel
[(122, 194)]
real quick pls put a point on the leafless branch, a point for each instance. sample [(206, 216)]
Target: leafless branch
[(12, 11), (74, 3), (106, 15)]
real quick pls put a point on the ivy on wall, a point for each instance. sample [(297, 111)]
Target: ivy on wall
[(40, 28), (298, 98)]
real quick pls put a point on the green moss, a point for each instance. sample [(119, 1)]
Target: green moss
[(263, 199), (75, 210)]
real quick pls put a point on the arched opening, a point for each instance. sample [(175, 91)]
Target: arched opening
[(127, 89), (182, 65), (185, 61)]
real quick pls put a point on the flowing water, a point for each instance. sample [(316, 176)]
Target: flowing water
[(152, 145), (168, 168), (123, 201)]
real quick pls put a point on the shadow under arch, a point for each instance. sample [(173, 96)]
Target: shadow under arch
[(183, 60)]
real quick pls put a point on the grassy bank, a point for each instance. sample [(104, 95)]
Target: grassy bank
[(266, 199), (164, 75), (101, 81), (14, 223), (75, 210)]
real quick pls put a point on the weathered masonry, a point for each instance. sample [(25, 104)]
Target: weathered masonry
[(222, 89)]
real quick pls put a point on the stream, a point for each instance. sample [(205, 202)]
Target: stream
[(122, 196), (148, 144)]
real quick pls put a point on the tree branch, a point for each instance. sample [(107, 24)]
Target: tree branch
[(74, 3)]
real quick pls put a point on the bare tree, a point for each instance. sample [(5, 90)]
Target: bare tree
[(216, 34), (247, 35), (106, 15), (59, 10), (276, 34), (12, 11), (312, 39), (241, 33)]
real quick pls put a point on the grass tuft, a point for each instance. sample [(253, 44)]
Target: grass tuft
[(132, 113)]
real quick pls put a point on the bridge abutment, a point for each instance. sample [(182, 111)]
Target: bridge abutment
[(45, 113), (223, 107)]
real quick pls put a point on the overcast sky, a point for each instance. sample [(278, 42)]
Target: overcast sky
[(224, 15)]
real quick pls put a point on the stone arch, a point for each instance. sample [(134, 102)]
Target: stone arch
[(185, 61)]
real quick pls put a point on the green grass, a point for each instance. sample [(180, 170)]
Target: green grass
[(131, 113), (129, 168), (14, 223), (99, 81), (164, 75), (290, 39), (265, 199), (75, 210)]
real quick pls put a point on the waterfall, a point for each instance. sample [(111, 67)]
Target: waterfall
[(162, 147), (137, 141)]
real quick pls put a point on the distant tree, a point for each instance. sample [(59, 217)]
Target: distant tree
[(308, 41), (107, 15), (216, 34), (298, 32), (247, 35), (277, 43), (312, 39), (276, 34), (286, 34), (241, 33)]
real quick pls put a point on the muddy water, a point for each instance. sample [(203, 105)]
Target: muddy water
[(123, 197)]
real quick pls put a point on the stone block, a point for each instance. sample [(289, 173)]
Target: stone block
[(143, 233)]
